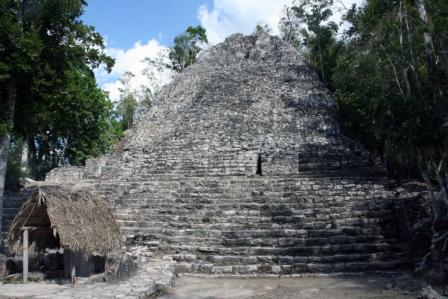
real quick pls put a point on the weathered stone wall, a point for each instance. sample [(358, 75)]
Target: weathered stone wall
[(240, 168), (66, 174), (255, 225), (246, 97), (11, 206)]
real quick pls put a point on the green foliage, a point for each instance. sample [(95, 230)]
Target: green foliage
[(92, 129), (6, 125), (132, 102), (391, 87), (128, 104), (290, 26), (308, 20), (186, 47), (262, 28), (146, 98), (383, 86), (48, 92), (14, 172)]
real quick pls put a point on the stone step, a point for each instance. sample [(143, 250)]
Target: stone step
[(254, 190), (219, 200), (268, 204), (236, 260), (261, 222), (197, 210), (10, 210), (368, 227), (248, 193), (327, 177), (258, 232), (207, 216), (370, 233), (351, 179), (291, 212), (272, 241), (251, 250), (290, 269)]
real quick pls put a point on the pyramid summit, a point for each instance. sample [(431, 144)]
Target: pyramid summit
[(240, 167), (246, 99)]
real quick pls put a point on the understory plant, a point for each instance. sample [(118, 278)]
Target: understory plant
[(434, 265)]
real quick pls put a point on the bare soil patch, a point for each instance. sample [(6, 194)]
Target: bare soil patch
[(289, 288)]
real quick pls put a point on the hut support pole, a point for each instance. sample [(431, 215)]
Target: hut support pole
[(25, 255), (72, 268)]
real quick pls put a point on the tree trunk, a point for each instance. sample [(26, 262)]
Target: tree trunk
[(4, 143), (404, 68), (397, 79), (413, 63), (321, 61), (407, 84), (432, 61), (31, 157), (386, 153), (4, 148), (24, 164), (444, 48)]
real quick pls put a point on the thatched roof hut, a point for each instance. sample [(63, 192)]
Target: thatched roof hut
[(68, 218)]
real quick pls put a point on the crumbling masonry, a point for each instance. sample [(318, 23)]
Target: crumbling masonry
[(240, 168)]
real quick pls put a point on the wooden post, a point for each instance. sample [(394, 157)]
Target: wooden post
[(25, 254), (72, 268)]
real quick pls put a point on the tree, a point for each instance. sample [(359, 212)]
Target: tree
[(158, 71), (71, 126), (186, 47), (433, 264), (290, 27), (317, 36), (384, 80), (262, 28), (389, 71), (44, 43), (128, 103), (431, 59)]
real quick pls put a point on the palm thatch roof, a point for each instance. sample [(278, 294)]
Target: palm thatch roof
[(67, 218)]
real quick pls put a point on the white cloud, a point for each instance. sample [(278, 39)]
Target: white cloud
[(232, 16), (225, 18), (131, 60)]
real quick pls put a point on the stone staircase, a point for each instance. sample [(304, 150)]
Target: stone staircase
[(12, 201), (261, 225), (240, 168)]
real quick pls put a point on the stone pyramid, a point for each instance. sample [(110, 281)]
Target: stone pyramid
[(240, 168)]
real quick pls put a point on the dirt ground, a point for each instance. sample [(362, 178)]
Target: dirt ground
[(187, 287), (289, 288)]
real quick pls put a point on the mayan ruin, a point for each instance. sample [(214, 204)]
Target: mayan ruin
[(240, 170), (262, 182)]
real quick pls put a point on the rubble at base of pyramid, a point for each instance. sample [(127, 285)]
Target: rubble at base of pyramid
[(240, 167)]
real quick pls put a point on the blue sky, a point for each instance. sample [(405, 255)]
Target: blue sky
[(124, 22), (138, 29)]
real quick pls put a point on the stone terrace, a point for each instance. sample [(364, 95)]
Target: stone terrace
[(240, 168)]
